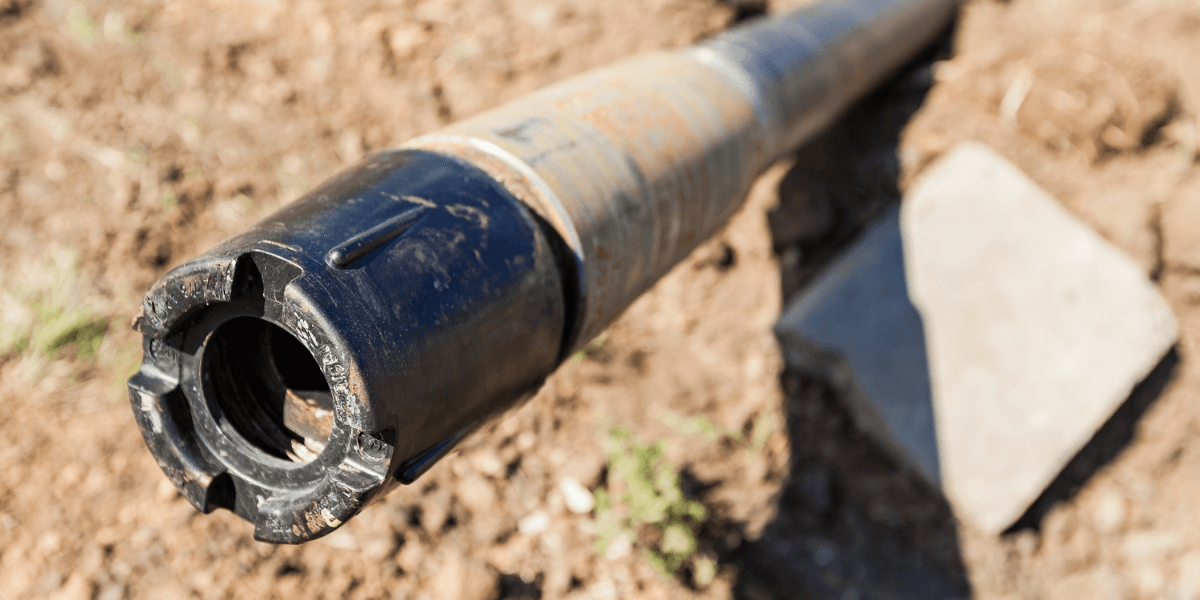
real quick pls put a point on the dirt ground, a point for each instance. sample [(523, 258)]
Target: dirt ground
[(135, 135)]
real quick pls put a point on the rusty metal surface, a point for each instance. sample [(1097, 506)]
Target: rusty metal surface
[(637, 163), (348, 341), (632, 172)]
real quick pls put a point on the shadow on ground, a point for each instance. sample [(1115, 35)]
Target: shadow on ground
[(851, 523)]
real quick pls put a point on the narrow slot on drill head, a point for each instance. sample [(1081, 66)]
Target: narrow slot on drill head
[(269, 390)]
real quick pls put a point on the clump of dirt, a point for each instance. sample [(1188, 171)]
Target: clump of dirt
[(1111, 104), (1069, 94)]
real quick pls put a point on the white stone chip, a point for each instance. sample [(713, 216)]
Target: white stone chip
[(982, 335), (577, 498), (619, 548), (534, 523)]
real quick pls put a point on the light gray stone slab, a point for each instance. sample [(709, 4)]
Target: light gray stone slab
[(982, 334)]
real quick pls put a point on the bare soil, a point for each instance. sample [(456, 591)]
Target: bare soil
[(135, 135)]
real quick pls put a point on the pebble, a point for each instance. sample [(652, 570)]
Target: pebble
[(487, 463), (166, 490), (76, 588), (1110, 512), (1149, 580), (447, 583), (534, 523), (48, 543), (1187, 582), (379, 545), (463, 579), (411, 554), (404, 42), (341, 539), (434, 512), (525, 440), (619, 548), (578, 499), (476, 493), (1144, 546), (112, 591)]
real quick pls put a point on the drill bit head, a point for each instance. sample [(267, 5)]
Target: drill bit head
[(342, 345)]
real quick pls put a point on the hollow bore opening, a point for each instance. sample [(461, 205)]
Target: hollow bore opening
[(268, 389)]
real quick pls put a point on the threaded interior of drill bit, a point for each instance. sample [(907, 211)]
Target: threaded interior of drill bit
[(268, 390)]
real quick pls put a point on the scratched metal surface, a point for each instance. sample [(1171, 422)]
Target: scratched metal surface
[(637, 163)]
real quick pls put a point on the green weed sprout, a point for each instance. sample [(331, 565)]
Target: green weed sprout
[(594, 346), (60, 327), (760, 431), (643, 490), (41, 310)]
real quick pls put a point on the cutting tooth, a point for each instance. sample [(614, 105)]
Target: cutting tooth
[(303, 452), (314, 446)]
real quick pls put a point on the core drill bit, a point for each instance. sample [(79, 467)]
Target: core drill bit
[(345, 343)]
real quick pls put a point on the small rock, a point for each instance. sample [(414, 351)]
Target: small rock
[(1143, 546), (460, 578), (487, 463), (1187, 580), (76, 588), (73, 472), (405, 41), (112, 591), (704, 571), (51, 541), (577, 498), (534, 523), (166, 490), (479, 581), (29, 62), (434, 512), (350, 147), (1110, 512), (525, 440), (378, 545), (476, 493), (1076, 551), (619, 548), (167, 591), (1025, 542), (411, 554), (1149, 580), (448, 581), (342, 539)]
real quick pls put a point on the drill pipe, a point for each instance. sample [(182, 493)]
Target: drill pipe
[(347, 342)]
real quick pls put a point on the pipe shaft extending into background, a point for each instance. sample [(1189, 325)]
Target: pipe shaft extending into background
[(347, 342), (637, 163)]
